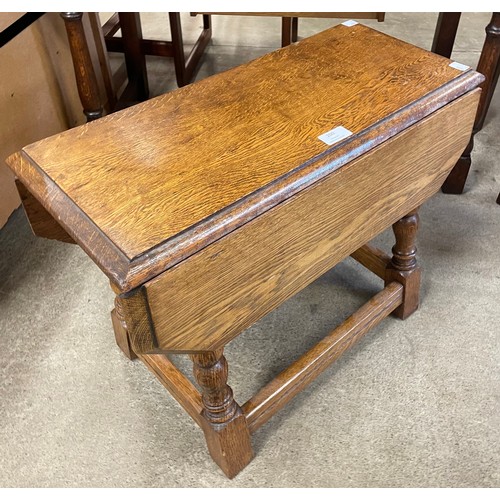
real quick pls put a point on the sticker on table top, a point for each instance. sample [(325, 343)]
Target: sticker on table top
[(460, 66), (350, 23), (334, 135)]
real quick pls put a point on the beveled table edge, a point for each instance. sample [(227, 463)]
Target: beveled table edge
[(127, 274)]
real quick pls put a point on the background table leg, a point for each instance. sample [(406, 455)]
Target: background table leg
[(295, 29), (178, 47)]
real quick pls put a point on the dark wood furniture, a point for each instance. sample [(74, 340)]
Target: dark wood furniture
[(290, 20), (185, 67), (134, 48), (86, 80), (270, 174), (488, 65), (136, 89)]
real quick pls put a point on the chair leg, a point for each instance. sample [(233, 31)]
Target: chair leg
[(446, 31), (286, 31), (295, 29), (178, 48), (455, 182), (86, 80), (489, 66)]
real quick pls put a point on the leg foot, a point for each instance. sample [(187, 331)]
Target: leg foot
[(403, 267), (224, 425)]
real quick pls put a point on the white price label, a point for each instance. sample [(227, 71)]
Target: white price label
[(334, 135), (460, 66)]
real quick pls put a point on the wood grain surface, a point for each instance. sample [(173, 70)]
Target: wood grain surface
[(205, 301), (157, 182)]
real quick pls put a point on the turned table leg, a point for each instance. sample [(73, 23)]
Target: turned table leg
[(403, 266), (224, 425), (86, 81)]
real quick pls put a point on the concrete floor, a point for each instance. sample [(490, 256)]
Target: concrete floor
[(414, 404)]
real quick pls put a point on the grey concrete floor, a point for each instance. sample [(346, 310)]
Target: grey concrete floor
[(414, 404)]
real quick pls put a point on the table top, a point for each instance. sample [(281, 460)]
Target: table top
[(144, 188)]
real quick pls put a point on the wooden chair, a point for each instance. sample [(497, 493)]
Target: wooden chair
[(488, 65), (134, 48)]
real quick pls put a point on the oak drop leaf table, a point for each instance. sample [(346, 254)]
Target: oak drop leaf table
[(210, 206)]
